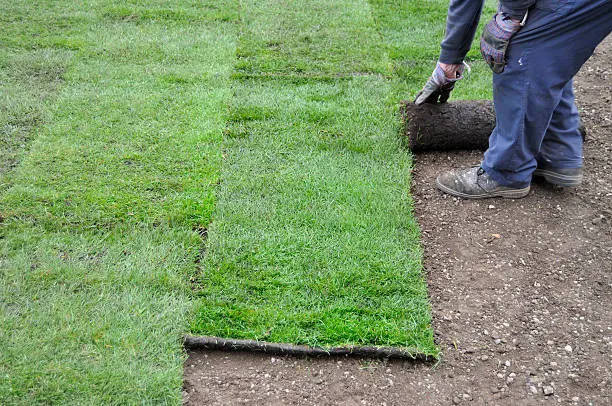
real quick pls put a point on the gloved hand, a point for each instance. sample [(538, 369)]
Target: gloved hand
[(438, 87), (495, 39)]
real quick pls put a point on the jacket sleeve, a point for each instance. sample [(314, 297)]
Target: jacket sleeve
[(516, 9), (461, 23)]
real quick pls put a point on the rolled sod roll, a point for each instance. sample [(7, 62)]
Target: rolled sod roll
[(463, 124)]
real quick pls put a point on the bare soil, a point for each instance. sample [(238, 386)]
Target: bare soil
[(520, 290)]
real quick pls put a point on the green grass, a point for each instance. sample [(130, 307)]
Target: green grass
[(92, 318), (308, 37), (100, 222), (313, 240), (28, 80)]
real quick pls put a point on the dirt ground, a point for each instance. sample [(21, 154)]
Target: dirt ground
[(521, 297)]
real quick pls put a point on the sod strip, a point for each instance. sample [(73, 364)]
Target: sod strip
[(97, 239), (309, 37), (314, 242), (28, 80)]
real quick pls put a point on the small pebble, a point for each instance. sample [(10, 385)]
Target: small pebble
[(548, 390), (568, 348)]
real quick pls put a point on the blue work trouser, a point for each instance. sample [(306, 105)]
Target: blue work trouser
[(537, 120)]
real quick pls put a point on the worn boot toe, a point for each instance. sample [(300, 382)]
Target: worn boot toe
[(475, 183)]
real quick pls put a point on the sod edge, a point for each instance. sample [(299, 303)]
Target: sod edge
[(230, 345)]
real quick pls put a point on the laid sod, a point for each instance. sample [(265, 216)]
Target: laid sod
[(313, 240), (308, 37), (107, 185), (28, 80)]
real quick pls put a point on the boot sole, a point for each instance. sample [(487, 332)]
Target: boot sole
[(558, 179), (506, 194)]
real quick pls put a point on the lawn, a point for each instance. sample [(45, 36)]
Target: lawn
[(113, 118), (226, 168)]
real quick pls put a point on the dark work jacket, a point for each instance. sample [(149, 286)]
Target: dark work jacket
[(462, 21)]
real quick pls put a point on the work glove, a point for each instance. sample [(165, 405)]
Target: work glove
[(438, 87), (495, 39)]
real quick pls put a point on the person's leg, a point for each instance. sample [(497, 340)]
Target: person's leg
[(562, 143), (560, 156), (542, 59)]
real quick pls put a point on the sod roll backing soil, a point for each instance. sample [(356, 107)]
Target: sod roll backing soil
[(459, 125), (216, 343), (464, 124)]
